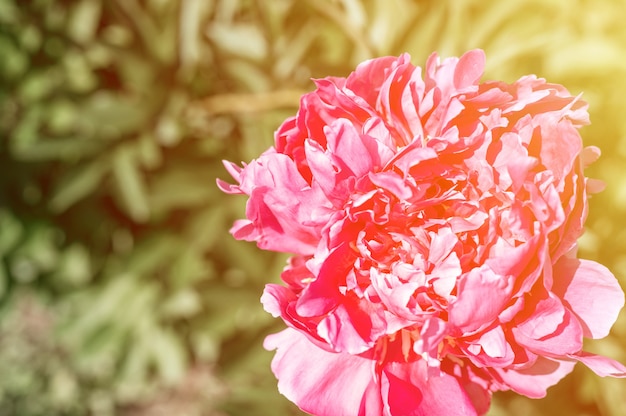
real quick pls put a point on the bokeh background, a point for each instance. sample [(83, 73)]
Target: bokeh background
[(121, 292)]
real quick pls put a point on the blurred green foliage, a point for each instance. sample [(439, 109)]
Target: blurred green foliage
[(121, 291)]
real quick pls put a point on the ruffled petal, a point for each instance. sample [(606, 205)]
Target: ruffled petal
[(321, 382), (470, 311), (408, 391), (591, 291), (534, 381)]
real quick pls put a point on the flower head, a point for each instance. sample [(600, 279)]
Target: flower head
[(433, 221)]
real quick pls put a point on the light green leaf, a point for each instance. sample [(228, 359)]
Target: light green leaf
[(152, 255), (74, 266), (130, 183), (181, 304), (180, 188), (169, 355), (190, 266), (148, 152), (242, 39), (78, 73), (83, 21), (249, 75), (4, 279), (11, 230), (77, 185)]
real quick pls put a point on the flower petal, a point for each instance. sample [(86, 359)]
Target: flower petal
[(469, 69), (407, 391), (534, 381), (591, 291), (602, 366), (482, 295), (321, 382)]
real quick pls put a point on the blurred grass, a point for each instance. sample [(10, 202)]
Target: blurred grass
[(121, 291)]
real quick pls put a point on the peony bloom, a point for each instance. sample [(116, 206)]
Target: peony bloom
[(433, 221)]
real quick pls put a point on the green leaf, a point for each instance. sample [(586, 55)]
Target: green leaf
[(93, 309), (4, 282), (39, 84), (191, 46), (154, 255), (241, 39), (14, 62), (78, 185), (83, 21), (74, 267), (180, 188), (148, 152), (169, 355), (11, 231), (130, 183), (78, 73), (181, 304)]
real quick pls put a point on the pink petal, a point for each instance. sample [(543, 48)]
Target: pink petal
[(561, 143), (492, 349), (594, 186), (321, 382), (227, 187), (469, 69), (284, 213), (322, 295), (534, 381), (392, 182), (336, 187), (373, 72), (275, 297), (494, 343), (546, 315), (352, 327), (431, 334), (470, 311), (591, 291), (524, 261), (394, 293), (407, 391), (602, 366), (589, 155), (346, 144), (566, 339)]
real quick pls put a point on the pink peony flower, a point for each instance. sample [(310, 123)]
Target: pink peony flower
[(433, 221)]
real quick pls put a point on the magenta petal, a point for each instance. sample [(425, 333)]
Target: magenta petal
[(591, 291), (352, 327), (602, 366), (322, 295), (402, 397), (321, 382), (408, 391)]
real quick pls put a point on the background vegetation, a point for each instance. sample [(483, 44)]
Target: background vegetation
[(121, 292)]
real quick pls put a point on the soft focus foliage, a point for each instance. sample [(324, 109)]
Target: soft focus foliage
[(121, 291)]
